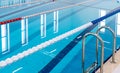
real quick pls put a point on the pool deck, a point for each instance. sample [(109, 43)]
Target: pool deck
[(112, 67)]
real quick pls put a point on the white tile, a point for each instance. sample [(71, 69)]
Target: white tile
[(117, 70)]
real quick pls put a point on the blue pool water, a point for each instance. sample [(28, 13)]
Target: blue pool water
[(70, 59)]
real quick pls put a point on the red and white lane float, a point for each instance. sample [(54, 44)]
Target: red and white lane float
[(9, 21)]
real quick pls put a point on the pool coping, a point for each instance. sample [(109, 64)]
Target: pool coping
[(118, 49)]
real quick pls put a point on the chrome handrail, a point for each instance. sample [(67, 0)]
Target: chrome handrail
[(83, 50), (114, 41)]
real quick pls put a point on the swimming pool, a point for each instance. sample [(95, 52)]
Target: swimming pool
[(69, 19)]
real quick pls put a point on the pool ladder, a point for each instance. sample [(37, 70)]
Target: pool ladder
[(114, 41), (95, 64), (83, 52)]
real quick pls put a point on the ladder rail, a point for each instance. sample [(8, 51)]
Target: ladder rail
[(114, 41), (83, 50)]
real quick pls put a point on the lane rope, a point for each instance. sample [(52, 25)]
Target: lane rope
[(9, 21), (49, 11), (25, 53), (58, 9)]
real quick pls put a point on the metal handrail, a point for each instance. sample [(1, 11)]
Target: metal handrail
[(114, 41), (102, 51)]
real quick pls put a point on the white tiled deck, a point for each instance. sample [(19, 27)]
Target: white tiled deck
[(112, 67), (117, 70)]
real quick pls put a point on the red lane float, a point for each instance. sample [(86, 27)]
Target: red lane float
[(9, 21)]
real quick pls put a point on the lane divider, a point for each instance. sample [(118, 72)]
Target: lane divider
[(42, 45), (58, 9), (49, 11), (9, 21), (23, 9)]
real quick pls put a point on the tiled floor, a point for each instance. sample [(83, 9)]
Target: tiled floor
[(117, 70), (112, 67)]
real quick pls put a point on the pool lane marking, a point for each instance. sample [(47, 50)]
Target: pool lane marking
[(64, 52), (16, 70), (79, 37)]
